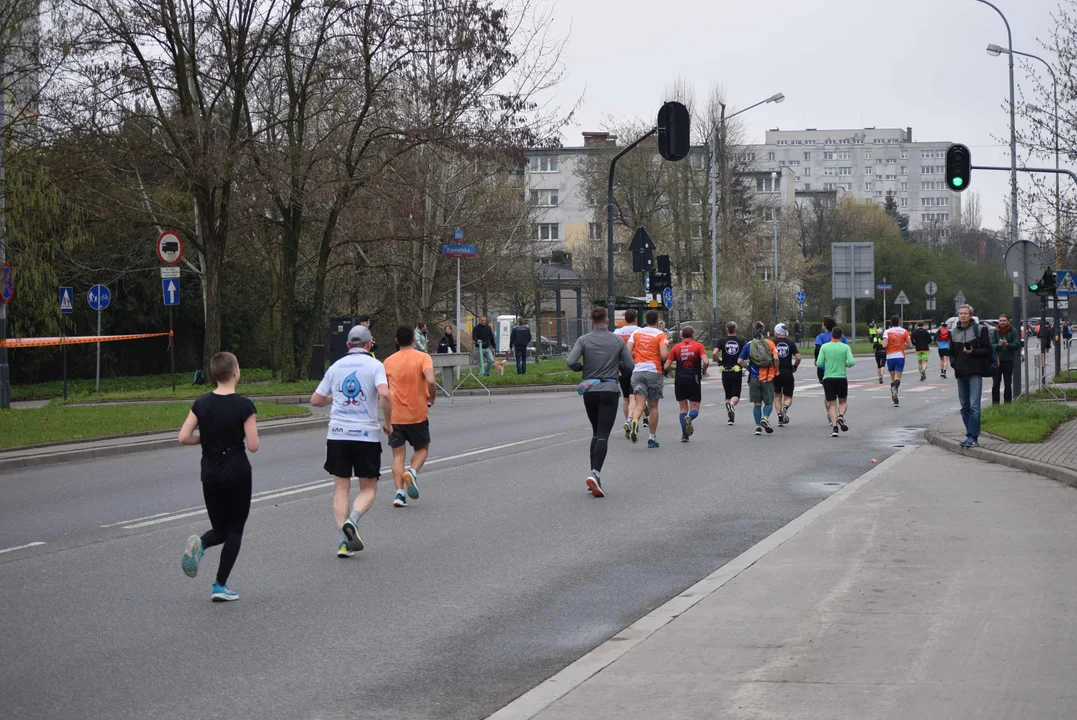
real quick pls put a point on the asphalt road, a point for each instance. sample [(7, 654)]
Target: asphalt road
[(504, 571)]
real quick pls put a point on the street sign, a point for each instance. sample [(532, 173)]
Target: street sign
[(667, 297), (458, 250), (458, 235), (1064, 282), (930, 289), (901, 299), (1037, 263), (930, 303), (169, 247), (1062, 304), (66, 307), (641, 241), (170, 272), (99, 297), (7, 283), (884, 286), (170, 289), (642, 261), (801, 297), (647, 282), (960, 300), (852, 270)]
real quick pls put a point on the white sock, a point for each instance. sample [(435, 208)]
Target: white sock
[(653, 436)]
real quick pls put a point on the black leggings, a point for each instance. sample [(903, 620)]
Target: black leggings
[(602, 412), (228, 505)]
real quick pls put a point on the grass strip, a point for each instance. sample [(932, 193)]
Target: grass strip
[(1025, 422), (85, 388)]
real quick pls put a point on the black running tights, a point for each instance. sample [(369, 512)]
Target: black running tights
[(602, 412), (228, 505)]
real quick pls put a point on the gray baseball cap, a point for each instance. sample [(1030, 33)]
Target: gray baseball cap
[(359, 335)]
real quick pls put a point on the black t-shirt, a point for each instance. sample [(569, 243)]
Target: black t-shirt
[(787, 352), (220, 427), (921, 340), (731, 345)]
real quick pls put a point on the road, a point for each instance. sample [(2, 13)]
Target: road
[(504, 571)]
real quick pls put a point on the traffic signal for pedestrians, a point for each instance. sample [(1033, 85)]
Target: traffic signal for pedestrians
[(674, 131), (958, 167), (1045, 285)]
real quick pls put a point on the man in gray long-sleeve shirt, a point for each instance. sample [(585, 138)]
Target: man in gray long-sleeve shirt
[(601, 356)]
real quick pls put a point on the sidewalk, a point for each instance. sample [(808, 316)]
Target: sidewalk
[(937, 586)]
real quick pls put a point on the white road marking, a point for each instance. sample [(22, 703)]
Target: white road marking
[(21, 547), (920, 389)]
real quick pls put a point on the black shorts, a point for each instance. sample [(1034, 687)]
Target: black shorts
[(732, 383), (353, 458), (625, 381), (944, 352), (880, 358), (836, 389), (783, 384), (416, 435), (688, 389)]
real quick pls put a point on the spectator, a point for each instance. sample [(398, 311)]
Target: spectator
[(520, 338), (447, 344), (970, 350), (420, 342), (483, 337), (1007, 343), (367, 322)]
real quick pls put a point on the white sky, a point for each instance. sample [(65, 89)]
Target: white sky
[(840, 63)]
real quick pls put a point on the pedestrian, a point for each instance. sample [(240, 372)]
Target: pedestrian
[(368, 322), (520, 338), (798, 332), (419, 342), (761, 358), (970, 350), (1007, 342), (601, 356), (1045, 332), (837, 359), (727, 355), (942, 340), (650, 348), (413, 390), (354, 387), (483, 338), (897, 341), (447, 344), (691, 359), (224, 421), (625, 332), (788, 362), (821, 339), (878, 348), (921, 342), (1067, 333)]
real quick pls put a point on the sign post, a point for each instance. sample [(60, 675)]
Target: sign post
[(852, 267), (884, 286), (66, 308), (1024, 259), (170, 252), (99, 298), (459, 250), (901, 301), (930, 289)]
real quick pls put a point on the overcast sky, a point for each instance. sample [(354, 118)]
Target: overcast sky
[(840, 63)]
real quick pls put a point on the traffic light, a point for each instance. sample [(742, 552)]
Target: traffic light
[(1045, 285), (958, 167), (674, 131)]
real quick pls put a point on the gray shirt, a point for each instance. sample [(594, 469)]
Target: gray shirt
[(603, 355)]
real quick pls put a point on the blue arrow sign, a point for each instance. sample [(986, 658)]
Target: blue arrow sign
[(1064, 283), (801, 297), (667, 297), (7, 283), (170, 288), (99, 297), (66, 296)]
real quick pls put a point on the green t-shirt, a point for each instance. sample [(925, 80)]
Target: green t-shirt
[(835, 357)]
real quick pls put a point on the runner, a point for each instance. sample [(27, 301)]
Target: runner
[(603, 356), (761, 358), (412, 388), (878, 348), (921, 340), (837, 358), (625, 379), (691, 359), (822, 339), (788, 362), (354, 386), (650, 348), (897, 341), (224, 421), (942, 340), (727, 355)]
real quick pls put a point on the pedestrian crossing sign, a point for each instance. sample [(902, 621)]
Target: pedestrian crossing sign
[(65, 301), (1064, 282)]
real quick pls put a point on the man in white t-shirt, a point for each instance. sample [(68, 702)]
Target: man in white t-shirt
[(355, 385), (625, 332)]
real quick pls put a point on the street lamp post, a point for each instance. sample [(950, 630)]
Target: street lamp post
[(776, 98), (777, 220)]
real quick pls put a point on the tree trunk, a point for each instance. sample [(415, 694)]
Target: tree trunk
[(288, 324)]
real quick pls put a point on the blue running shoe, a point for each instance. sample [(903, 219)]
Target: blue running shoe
[(221, 593), (192, 556), (411, 482), (652, 443), (400, 500), (351, 531)]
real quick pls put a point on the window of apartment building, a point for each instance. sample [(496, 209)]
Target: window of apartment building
[(869, 170), (544, 163), (904, 202), (798, 142), (867, 154), (891, 177), (845, 171), (904, 154), (807, 155), (697, 159), (847, 187), (807, 187), (806, 171), (878, 193), (770, 156), (747, 157), (809, 142), (544, 198), (904, 187), (830, 156), (868, 186), (546, 231), (932, 169), (697, 231), (594, 231), (770, 214), (794, 162), (904, 170), (768, 184), (845, 155), (830, 172), (782, 142), (830, 186), (891, 161)]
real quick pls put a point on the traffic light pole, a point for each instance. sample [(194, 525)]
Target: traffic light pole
[(610, 298)]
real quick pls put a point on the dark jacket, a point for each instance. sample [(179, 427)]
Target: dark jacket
[(977, 362), (520, 336), (446, 344), (483, 334), (1013, 345)]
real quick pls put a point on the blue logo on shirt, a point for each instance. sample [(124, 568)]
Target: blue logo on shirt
[(351, 389)]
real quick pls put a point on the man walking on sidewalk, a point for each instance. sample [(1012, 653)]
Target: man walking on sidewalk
[(411, 384), (520, 338), (483, 337), (970, 349), (1007, 343)]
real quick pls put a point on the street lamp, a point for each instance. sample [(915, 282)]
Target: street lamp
[(774, 179), (775, 98)]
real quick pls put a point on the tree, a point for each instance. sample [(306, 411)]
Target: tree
[(891, 209)]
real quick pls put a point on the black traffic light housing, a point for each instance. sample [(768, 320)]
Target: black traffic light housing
[(1045, 286), (958, 167), (674, 131)]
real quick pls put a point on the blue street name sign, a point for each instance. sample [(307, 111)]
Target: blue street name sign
[(99, 297), (801, 297), (66, 296), (1064, 283), (667, 297), (458, 250), (170, 289)]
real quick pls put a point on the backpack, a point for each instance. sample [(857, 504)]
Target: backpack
[(760, 354), (994, 350)]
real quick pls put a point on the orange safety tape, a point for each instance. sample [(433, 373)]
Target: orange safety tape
[(81, 340)]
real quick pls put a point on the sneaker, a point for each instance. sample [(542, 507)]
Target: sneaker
[(220, 593), (192, 556), (645, 420), (688, 429), (343, 551), (730, 412), (411, 482), (595, 486), (758, 430), (841, 423), (351, 531), (785, 412), (880, 381), (684, 438), (652, 443), (400, 500), (781, 419), (893, 394), (765, 423), (975, 443), (923, 376), (834, 431), (896, 403), (628, 429), (633, 434)]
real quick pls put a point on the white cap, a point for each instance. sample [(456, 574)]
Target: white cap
[(359, 335), (779, 329)]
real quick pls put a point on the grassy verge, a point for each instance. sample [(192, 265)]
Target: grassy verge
[(1071, 393), (1066, 376), (1025, 422), (139, 383), (304, 387), (547, 372), (60, 424)]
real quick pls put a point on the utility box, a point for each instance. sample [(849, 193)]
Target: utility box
[(339, 327)]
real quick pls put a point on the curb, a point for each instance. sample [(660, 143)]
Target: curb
[(91, 453), (1052, 472)]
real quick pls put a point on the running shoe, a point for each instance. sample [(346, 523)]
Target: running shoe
[(841, 423), (684, 438), (730, 412), (893, 394), (974, 443), (923, 376), (411, 482), (765, 423), (652, 443), (880, 381), (343, 551), (628, 429), (595, 486), (351, 531), (400, 500), (221, 593), (645, 421), (758, 430), (192, 556), (834, 431), (633, 435), (688, 429)]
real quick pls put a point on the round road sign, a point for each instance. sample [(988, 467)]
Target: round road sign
[(169, 247), (930, 289), (1024, 260)]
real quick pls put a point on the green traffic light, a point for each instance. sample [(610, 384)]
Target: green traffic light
[(1034, 287), (958, 182)]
